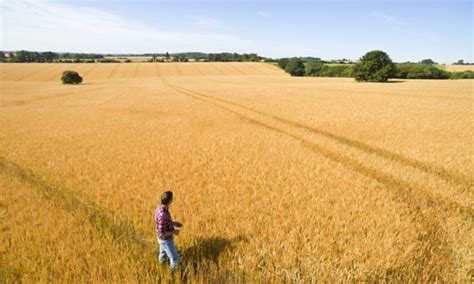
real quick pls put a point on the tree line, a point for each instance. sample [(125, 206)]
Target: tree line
[(48, 56), (375, 66), (227, 57), (33, 56)]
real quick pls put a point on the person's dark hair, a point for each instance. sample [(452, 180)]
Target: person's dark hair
[(166, 197)]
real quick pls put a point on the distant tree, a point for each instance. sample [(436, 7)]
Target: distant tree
[(460, 62), (374, 66), (49, 56), (462, 75), (71, 77), (282, 62), (2, 56), (167, 56), (295, 67), (419, 71), (315, 68), (427, 61), (153, 58)]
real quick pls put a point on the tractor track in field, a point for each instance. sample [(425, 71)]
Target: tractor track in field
[(197, 69), (33, 73), (239, 71), (135, 71), (14, 70), (114, 69), (218, 70), (157, 68), (433, 237), (107, 224), (381, 153), (87, 72), (180, 74), (426, 208), (343, 90), (257, 71), (454, 178), (59, 79), (25, 102)]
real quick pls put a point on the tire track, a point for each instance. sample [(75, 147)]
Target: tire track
[(197, 69), (351, 91), (107, 224), (14, 70), (257, 71), (178, 70), (113, 70), (433, 238), (135, 72), (25, 102), (158, 74), (439, 171), (446, 204), (36, 71), (93, 67), (231, 65), (272, 68), (220, 72), (55, 76)]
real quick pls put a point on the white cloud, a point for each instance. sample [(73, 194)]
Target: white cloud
[(45, 25)]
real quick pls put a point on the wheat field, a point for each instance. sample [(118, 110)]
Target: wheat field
[(276, 178), (459, 68)]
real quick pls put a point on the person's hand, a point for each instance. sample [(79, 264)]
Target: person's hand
[(176, 232), (178, 224)]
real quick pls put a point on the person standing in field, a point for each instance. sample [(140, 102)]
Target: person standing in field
[(165, 231)]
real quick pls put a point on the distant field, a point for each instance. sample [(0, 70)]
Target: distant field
[(51, 72), (133, 58), (459, 68), (276, 178)]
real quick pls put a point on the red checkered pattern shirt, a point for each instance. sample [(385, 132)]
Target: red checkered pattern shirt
[(163, 221)]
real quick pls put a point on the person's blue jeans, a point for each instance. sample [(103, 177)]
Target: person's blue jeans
[(168, 251)]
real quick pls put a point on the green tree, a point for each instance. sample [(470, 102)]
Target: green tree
[(460, 62), (71, 77), (427, 61), (295, 67), (374, 66), (315, 68), (282, 62)]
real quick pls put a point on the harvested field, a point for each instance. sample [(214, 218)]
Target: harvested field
[(275, 177), (458, 68)]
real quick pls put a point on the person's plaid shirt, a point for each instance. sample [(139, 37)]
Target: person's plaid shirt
[(163, 221)]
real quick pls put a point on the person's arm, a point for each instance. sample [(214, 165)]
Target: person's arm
[(163, 222), (177, 224), (169, 234)]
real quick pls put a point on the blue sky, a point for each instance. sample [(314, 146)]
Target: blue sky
[(406, 30)]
